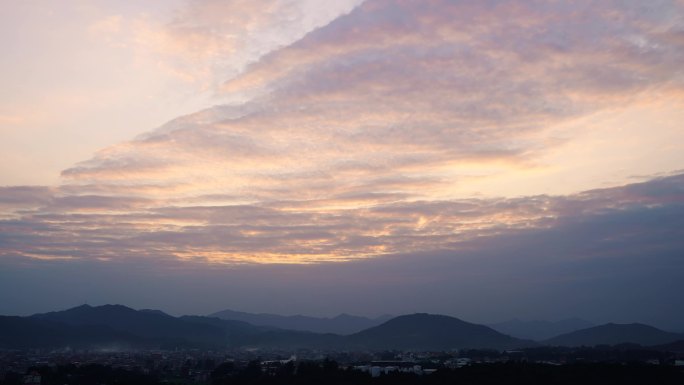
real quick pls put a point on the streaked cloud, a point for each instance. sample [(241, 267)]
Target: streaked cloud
[(617, 264), (78, 76), (208, 39), (435, 95), (338, 229), (374, 129)]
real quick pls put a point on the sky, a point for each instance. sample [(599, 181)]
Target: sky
[(481, 159)]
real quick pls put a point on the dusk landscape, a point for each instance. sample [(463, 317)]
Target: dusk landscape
[(343, 192)]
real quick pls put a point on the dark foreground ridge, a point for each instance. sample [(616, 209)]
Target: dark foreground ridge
[(329, 372)]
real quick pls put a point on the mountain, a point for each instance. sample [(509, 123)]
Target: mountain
[(120, 327), (153, 311), (342, 324), (613, 334), (540, 330), (154, 326), (433, 332), (26, 332)]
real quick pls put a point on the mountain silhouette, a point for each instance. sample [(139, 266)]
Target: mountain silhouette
[(614, 334), (145, 327), (540, 330), (433, 332), (120, 327), (25, 332), (341, 324)]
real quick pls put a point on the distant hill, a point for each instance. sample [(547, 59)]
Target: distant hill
[(433, 332), (120, 327), (25, 332), (540, 330), (145, 324), (117, 325), (342, 324), (614, 334)]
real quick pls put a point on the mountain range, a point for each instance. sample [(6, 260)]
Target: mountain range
[(613, 334), (116, 326), (540, 330), (342, 324), (434, 332), (119, 327)]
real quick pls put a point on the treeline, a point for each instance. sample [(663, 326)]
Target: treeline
[(328, 372), (624, 353), (513, 373), (92, 374)]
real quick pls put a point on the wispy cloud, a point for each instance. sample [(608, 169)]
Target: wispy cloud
[(396, 127), (337, 229), (208, 40), (427, 93), (617, 264)]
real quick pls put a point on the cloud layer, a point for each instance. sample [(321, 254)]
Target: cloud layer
[(397, 127), (420, 99), (613, 256), (50, 225), (526, 151)]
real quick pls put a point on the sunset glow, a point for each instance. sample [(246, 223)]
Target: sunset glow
[(307, 132)]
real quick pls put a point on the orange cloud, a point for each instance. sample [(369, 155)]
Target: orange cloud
[(371, 135)]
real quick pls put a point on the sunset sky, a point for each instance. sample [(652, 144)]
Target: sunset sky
[(482, 159)]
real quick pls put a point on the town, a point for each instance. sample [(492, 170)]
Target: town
[(195, 366)]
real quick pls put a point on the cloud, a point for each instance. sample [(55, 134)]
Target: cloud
[(25, 195), (426, 96), (19, 198), (337, 229), (208, 39), (607, 265), (362, 135), (469, 158)]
